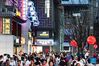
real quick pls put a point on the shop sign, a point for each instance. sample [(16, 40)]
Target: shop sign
[(43, 34), (74, 2), (44, 42)]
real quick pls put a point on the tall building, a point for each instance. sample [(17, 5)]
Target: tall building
[(44, 31)]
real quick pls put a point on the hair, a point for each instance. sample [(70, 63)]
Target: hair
[(73, 63), (52, 62), (77, 64)]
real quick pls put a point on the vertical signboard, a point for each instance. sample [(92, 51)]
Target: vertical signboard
[(24, 9), (6, 26), (0, 25)]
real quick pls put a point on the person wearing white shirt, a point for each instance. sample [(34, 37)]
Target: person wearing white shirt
[(27, 63)]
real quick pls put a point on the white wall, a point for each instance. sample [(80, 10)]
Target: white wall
[(6, 44)]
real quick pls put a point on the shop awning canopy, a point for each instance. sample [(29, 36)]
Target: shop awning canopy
[(18, 19)]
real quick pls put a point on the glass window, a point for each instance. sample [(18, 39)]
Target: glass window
[(6, 26)]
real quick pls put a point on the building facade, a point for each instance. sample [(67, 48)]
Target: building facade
[(10, 22), (43, 33)]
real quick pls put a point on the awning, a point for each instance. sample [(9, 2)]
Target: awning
[(18, 19)]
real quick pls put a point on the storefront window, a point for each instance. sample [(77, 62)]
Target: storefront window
[(6, 26)]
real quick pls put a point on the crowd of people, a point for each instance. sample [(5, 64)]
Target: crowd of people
[(48, 59)]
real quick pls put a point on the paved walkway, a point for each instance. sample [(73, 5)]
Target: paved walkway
[(93, 65)]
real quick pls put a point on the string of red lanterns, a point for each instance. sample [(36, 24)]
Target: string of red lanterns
[(90, 40)]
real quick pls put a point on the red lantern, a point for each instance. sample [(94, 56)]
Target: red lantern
[(73, 43), (91, 40), (95, 46)]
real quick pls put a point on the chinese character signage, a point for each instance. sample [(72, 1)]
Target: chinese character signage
[(0, 25), (6, 26)]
